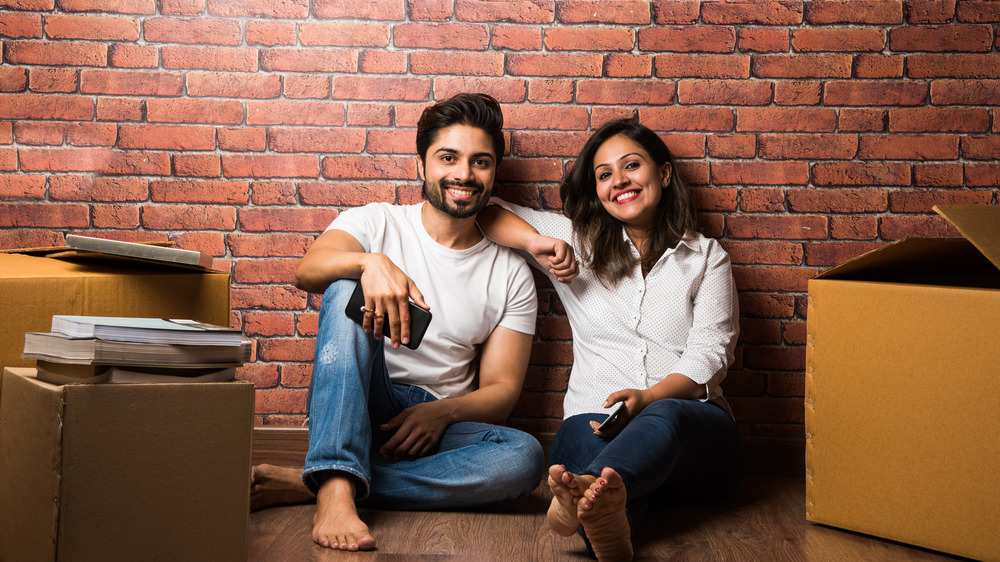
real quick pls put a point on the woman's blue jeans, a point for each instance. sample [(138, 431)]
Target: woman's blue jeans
[(675, 449), (350, 395)]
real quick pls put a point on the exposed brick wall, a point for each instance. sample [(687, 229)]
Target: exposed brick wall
[(812, 132)]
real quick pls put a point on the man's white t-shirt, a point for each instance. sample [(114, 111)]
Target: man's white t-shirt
[(470, 292)]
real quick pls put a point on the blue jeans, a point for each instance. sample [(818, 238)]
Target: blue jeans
[(350, 395), (681, 449)]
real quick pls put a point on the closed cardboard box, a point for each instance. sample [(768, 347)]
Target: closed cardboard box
[(124, 471), (903, 391)]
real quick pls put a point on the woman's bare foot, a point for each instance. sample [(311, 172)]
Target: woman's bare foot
[(277, 485), (602, 512), (566, 490), (336, 524)]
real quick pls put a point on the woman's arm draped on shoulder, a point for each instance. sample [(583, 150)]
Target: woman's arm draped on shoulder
[(507, 229)]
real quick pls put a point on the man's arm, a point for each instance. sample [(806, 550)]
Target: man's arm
[(507, 229), (502, 365), (337, 255)]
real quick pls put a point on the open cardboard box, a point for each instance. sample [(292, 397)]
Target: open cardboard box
[(124, 471), (902, 405)]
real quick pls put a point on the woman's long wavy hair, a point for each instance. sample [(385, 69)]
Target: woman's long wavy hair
[(603, 246)]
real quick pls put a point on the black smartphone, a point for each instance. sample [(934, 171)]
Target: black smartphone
[(612, 417), (419, 318)]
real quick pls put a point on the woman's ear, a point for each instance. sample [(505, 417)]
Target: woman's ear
[(666, 170)]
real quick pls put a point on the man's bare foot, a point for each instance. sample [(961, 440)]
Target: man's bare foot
[(602, 512), (277, 485), (566, 490), (336, 524)]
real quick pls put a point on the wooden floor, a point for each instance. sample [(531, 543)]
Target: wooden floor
[(764, 521)]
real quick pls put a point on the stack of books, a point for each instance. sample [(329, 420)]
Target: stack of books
[(101, 349)]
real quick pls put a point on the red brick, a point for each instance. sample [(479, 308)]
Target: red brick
[(930, 11), (762, 39), (687, 39), (939, 120), (953, 65), (14, 80), (285, 112), (896, 227), (198, 165), (33, 238), (233, 85), (923, 201), (377, 61), (307, 323), (166, 137), (266, 324), (762, 12), (857, 92), (285, 349), (181, 7), (133, 56), (381, 88), (766, 305), (764, 252), (714, 198), (238, 139), (115, 216), (797, 119), (316, 140), (89, 27), (120, 109), (686, 145), (230, 59), (285, 220), (801, 66), (732, 146), (982, 175), (702, 66), (965, 92), (833, 253), (589, 39), (430, 10), (308, 60), (344, 34), (270, 33), (541, 117), (369, 167), (389, 141), (533, 11), (535, 169), (760, 173), (21, 26), (8, 159), (188, 217), (74, 134), (632, 92), (626, 65), (908, 147), (97, 160), (938, 175), (63, 53), (48, 80), (978, 12), (863, 120), (211, 243), (669, 11), (346, 193), (273, 193), (457, 36), (854, 11), (724, 92), (372, 9), (861, 173), (463, 63), (273, 297), (798, 93), (783, 227), (808, 147), (262, 376), (194, 31), (268, 245), (369, 115), (868, 65), (868, 200), (550, 91), (51, 215), (505, 90), (762, 200), (700, 119), (289, 9), (131, 83), (780, 358), (271, 166), (220, 192), (981, 148), (853, 227), (517, 38), (89, 188), (945, 38), (543, 143), (593, 11), (226, 112), (554, 64), (22, 187), (838, 39)]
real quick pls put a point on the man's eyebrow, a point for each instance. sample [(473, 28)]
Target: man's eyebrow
[(456, 152)]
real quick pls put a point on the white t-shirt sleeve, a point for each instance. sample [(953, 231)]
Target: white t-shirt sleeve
[(522, 302)]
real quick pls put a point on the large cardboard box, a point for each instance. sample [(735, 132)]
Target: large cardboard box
[(34, 286), (124, 471), (902, 405)]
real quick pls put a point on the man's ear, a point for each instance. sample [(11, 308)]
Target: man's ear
[(420, 169)]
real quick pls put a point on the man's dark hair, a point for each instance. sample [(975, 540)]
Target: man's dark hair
[(474, 110)]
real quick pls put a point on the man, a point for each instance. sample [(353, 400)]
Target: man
[(411, 429)]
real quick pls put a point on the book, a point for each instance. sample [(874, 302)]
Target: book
[(146, 252), (60, 348), (146, 330), (61, 373)]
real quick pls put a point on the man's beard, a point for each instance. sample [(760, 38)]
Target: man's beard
[(435, 195)]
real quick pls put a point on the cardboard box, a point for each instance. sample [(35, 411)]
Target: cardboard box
[(124, 471), (903, 391), (34, 287)]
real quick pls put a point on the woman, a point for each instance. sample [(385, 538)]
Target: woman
[(654, 319)]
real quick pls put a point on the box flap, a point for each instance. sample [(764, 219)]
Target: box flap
[(980, 224)]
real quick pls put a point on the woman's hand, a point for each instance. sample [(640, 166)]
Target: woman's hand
[(556, 255), (635, 401)]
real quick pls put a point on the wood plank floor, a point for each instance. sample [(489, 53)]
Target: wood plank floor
[(764, 521)]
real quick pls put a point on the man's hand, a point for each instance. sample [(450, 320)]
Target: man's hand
[(387, 296), (418, 430), (555, 254)]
